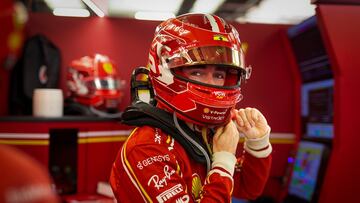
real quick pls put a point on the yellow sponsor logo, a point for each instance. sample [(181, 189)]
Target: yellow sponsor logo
[(206, 110), (220, 38), (108, 68), (244, 47), (196, 186)]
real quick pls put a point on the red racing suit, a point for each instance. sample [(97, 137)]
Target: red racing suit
[(153, 167)]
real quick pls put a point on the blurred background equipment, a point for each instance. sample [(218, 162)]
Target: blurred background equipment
[(48, 102), (317, 96), (141, 88), (38, 67), (23, 179)]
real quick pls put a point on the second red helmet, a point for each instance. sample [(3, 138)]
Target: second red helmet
[(93, 81)]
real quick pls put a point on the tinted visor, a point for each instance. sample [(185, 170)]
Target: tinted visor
[(204, 55), (210, 75), (104, 84)]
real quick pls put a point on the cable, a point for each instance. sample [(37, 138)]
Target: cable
[(104, 114), (193, 142)]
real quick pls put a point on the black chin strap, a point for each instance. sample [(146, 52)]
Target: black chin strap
[(142, 114)]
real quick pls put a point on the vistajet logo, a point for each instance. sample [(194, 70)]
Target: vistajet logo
[(214, 118)]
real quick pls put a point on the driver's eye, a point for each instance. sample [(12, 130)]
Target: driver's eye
[(196, 73), (219, 75)]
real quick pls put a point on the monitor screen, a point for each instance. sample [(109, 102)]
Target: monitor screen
[(317, 109), (308, 166)]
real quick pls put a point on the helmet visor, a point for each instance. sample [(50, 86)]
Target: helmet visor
[(218, 55), (210, 75), (104, 84)]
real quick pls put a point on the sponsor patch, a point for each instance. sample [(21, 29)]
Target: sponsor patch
[(158, 182), (157, 136), (219, 94), (183, 199), (178, 29), (196, 186), (206, 110), (171, 147), (214, 118), (150, 160), (168, 194)]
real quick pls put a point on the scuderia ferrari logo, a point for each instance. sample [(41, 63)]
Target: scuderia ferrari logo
[(220, 38)]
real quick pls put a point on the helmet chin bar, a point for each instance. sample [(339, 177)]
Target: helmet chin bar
[(188, 119)]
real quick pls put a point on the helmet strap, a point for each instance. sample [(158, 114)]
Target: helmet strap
[(204, 133)]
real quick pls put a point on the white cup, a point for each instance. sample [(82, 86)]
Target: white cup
[(48, 102)]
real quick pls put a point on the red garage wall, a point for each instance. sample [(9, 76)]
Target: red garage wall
[(270, 87), (340, 26), (127, 41)]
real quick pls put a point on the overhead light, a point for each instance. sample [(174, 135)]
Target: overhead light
[(206, 6), (94, 8), (159, 16), (71, 12), (279, 12), (64, 4), (128, 8)]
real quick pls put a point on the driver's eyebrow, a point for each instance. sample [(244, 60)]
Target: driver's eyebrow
[(220, 69), (197, 67)]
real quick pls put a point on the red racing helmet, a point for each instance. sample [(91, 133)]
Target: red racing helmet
[(93, 81), (197, 40)]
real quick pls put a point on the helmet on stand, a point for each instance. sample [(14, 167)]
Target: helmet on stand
[(197, 40), (93, 82)]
